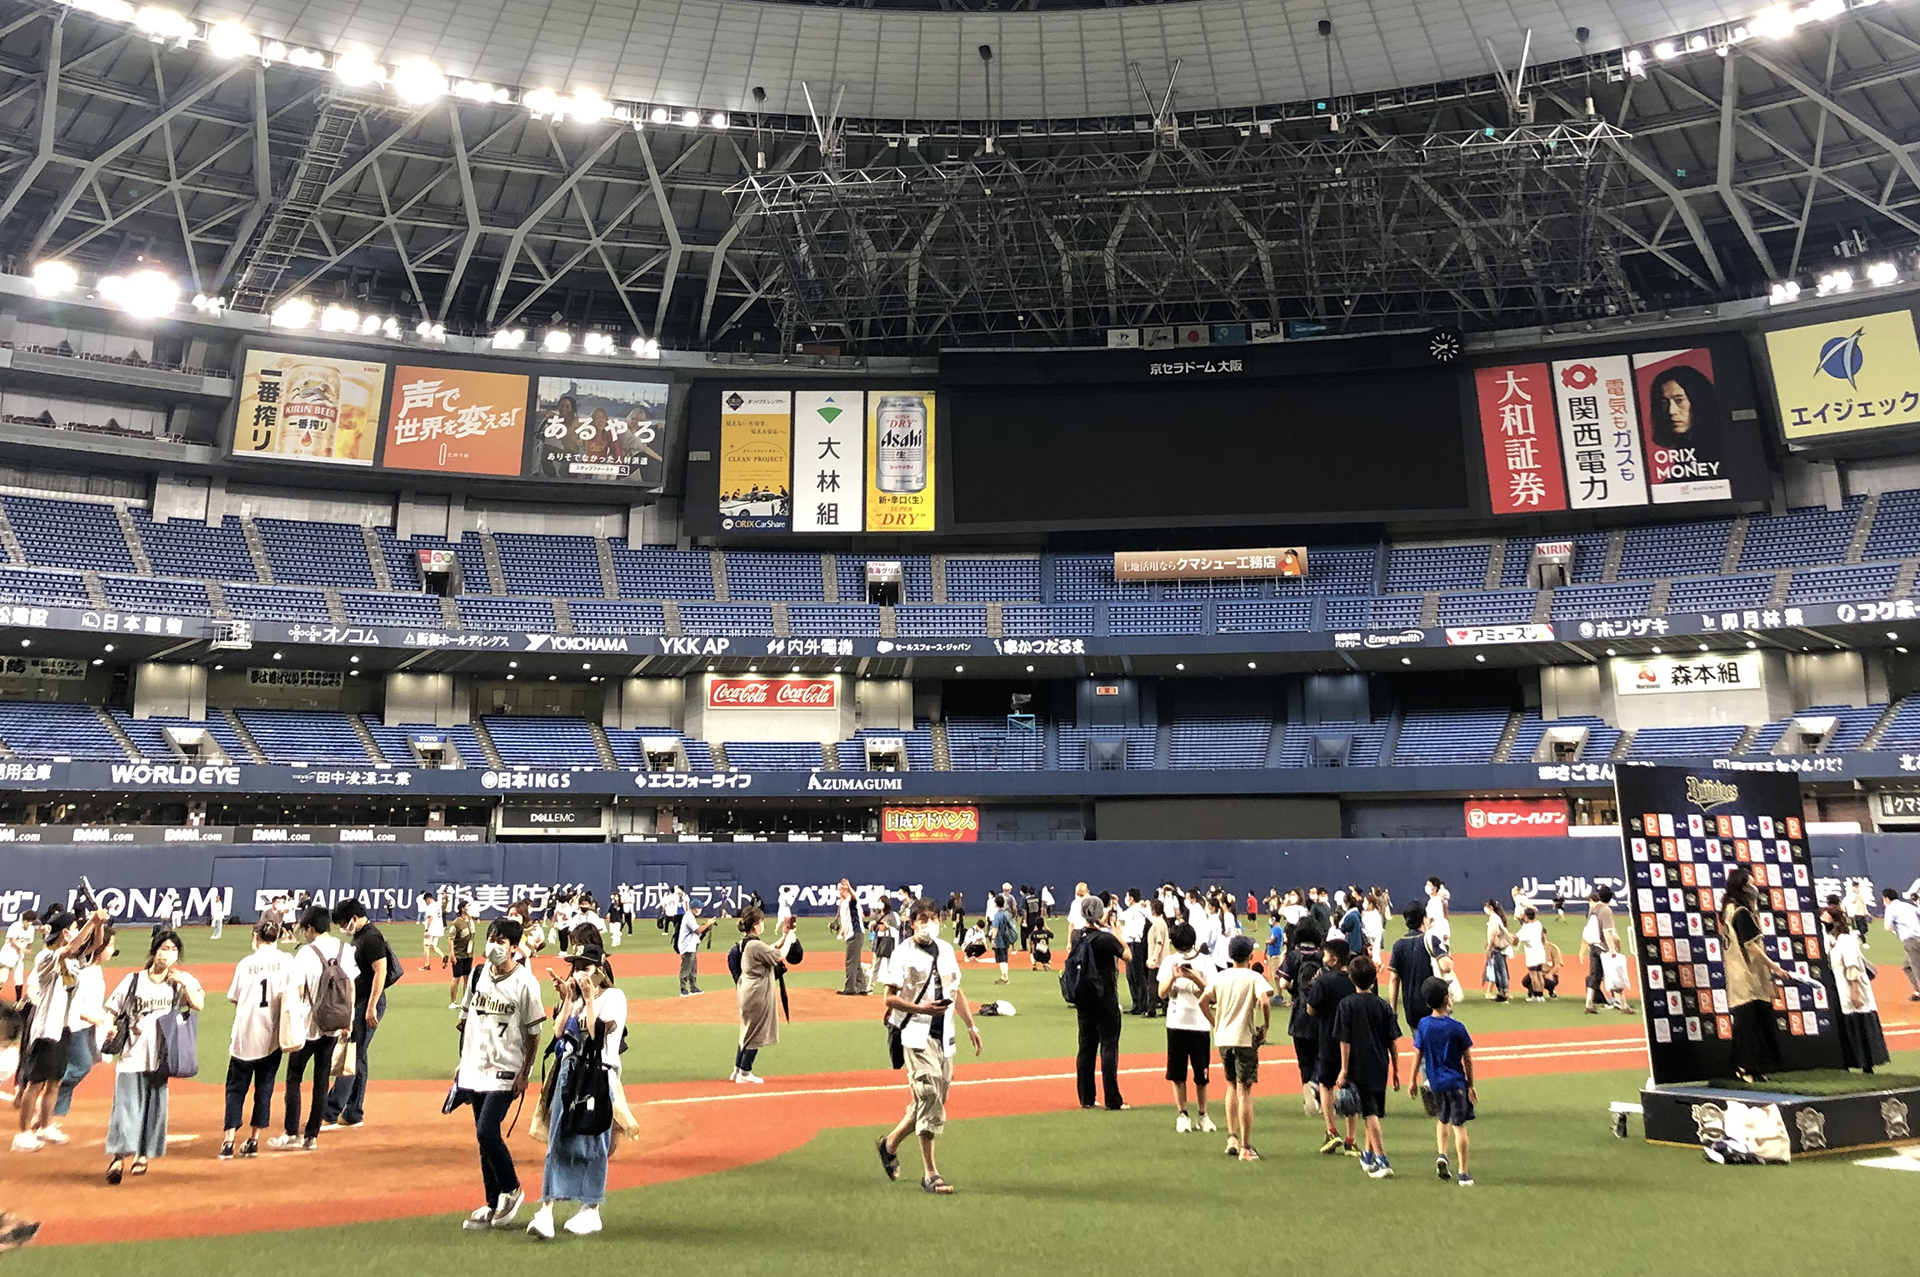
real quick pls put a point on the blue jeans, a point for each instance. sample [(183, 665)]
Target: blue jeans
[(80, 1062), (347, 1101)]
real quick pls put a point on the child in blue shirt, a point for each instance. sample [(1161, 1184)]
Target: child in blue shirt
[(1444, 1054)]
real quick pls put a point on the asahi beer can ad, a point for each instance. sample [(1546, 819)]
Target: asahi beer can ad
[(308, 408), (900, 477)]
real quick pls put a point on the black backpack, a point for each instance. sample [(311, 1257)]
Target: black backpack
[(1304, 975), (1080, 982)]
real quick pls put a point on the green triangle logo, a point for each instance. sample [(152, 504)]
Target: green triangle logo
[(828, 413)]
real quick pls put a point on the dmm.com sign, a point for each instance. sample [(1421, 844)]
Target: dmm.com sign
[(1516, 817), (772, 693), (930, 824)]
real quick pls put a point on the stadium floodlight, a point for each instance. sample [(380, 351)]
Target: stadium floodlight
[(209, 305), (1822, 10), (690, 118), (1773, 22), (52, 278), (646, 347), (1782, 293), (418, 82), (509, 339), (162, 24), (274, 52), (1665, 50), (589, 107), (1835, 281), (356, 69), (312, 59), (145, 294), (231, 40), (1697, 43), (427, 330), (479, 91), (597, 344), (1880, 274), (295, 312), (719, 120), (659, 115), (338, 319), (370, 325), (556, 341), (542, 102)]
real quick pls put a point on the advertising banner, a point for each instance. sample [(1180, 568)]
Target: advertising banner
[(930, 824), (829, 452), (900, 470), (1684, 426), (1516, 431), (1599, 435), (452, 421), (600, 431), (1516, 817), (1205, 565), (772, 693), (1846, 376), (756, 460), (1683, 832), (1715, 672), (308, 408)]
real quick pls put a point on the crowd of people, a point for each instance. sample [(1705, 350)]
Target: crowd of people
[(312, 993)]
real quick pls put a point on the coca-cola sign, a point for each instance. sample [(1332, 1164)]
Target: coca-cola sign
[(772, 693)]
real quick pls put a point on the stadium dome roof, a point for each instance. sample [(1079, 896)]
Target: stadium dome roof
[(926, 65)]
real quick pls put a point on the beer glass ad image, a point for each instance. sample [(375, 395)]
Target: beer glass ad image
[(756, 460), (308, 408), (1684, 424), (452, 421), (600, 432), (900, 487), (1846, 377)]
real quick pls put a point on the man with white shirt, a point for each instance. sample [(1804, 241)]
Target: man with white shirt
[(500, 1023), (1133, 933), (851, 926), (923, 994), (1902, 920), (687, 944), (253, 1048), (319, 952), (1077, 910)]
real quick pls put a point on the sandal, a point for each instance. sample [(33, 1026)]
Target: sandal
[(937, 1186), (16, 1232), (1233, 1149), (889, 1162), (1248, 1154), (139, 1166), (114, 1171)]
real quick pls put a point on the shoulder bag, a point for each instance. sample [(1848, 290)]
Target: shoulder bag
[(178, 1047), (121, 1034), (896, 1049)]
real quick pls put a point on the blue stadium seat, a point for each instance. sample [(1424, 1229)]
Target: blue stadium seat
[(655, 573), (393, 609), (1450, 736), (1028, 621), (938, 619), (773, 576), (151, 594), (774, 756), (979, 744), (528, 741), (1674, 549), (188, 547), (1266, 617), (1596, 602), (1684, 742), (272, 603), (481, 612), (1156, 618), (52, 729), (1216, 741), (304, 736), (993, 580), (622, 616), (1710, 594), (43, 589), (1487, 607), (833, 620), (549, 565), (1861, 581), (1800, 537), (302, 552), (703, 619), (1436, 567), (69, 534)]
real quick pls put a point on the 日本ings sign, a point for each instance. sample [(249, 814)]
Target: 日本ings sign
[(772, 693), (1516, 817), (930, 824)]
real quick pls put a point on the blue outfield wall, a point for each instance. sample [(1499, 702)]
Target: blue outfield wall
[(134, 881)]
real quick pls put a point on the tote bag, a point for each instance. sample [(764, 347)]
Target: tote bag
[(178, 1040)]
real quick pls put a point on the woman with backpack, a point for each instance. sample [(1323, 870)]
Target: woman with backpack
[(590, 1027), (758, 994), (137, 1127)]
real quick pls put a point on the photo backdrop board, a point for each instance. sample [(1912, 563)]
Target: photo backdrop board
[(1682, 832)]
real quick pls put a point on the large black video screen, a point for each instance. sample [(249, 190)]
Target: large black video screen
[(1361, 444)]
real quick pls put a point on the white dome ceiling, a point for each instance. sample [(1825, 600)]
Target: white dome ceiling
[(914, 65)]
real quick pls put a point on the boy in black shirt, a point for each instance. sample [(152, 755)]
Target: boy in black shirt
[(1366, 1029), (1329, 989)]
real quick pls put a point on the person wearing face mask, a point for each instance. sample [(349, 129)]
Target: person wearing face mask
[(137, 1127), (50, 986), (923, 994), (319, 956), (500, 1023), (589, 1025), (758, 993)]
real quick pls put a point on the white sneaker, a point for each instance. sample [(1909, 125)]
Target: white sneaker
[(508, 1207), (541, 1225), (734, 1076), (753, 1079), (453, 1006), (1310, 1099), (286, 1143), (584, 1222), (1182, 1124), (1206, 1123), (482, 1218), (52, 1134), (26, 1142)]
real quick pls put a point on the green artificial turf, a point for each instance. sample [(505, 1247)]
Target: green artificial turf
[(1098, 1191), (417, 1040), (1823, 1082)]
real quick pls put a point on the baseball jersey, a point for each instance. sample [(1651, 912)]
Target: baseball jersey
[(500, 1014), (258, 989)]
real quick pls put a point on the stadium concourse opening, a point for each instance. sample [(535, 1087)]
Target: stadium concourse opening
[(587, 664)]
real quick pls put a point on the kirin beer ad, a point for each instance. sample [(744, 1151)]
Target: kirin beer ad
[(900, 475), (308, 408)]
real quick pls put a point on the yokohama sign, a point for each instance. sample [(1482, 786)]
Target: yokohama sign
[(1516, 817), (772, 693)]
